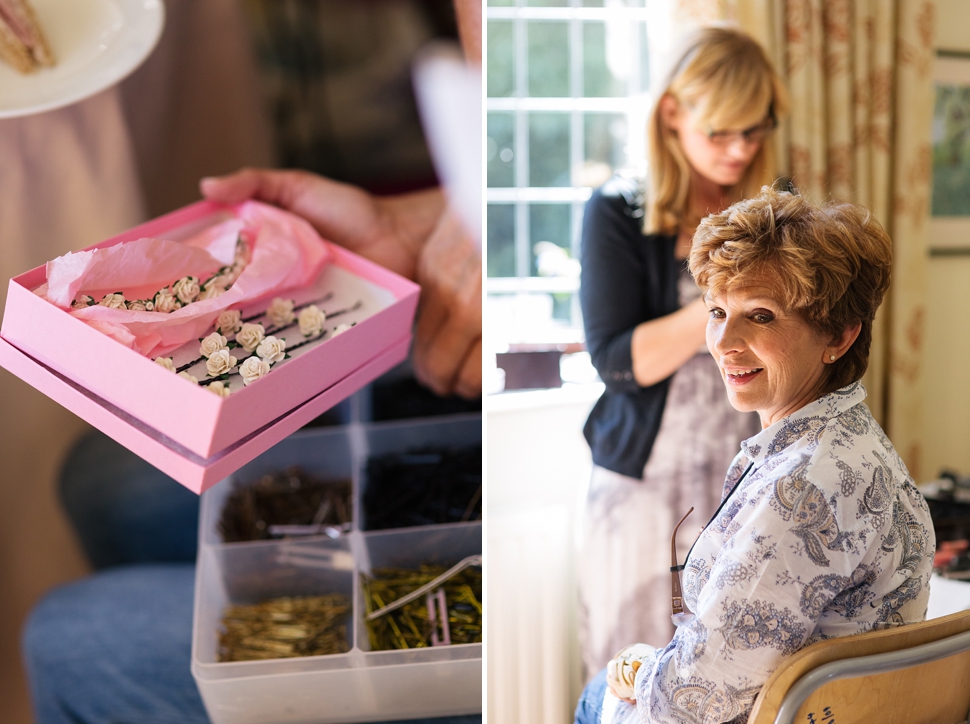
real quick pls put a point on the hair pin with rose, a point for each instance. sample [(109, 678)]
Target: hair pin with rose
[(265, 350), (231, 322)]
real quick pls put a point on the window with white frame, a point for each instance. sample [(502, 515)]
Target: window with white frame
[(566, 107)]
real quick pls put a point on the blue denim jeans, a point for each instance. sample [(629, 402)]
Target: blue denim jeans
[(589, 710), (115, 648)]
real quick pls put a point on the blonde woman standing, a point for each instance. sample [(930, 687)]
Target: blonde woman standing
[(663, 432)]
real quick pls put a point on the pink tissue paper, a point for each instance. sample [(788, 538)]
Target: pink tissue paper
[(285, 252)]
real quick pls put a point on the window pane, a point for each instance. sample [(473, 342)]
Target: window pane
[(500, 232), (501, 65), (505, 3), (605, 137), (501, 162), (644, 60), (548, 3), (548, 59), (549, 149), (549, 223), (607, 53)]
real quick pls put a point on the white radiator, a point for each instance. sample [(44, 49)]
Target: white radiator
[(538, 467), (533, 659)]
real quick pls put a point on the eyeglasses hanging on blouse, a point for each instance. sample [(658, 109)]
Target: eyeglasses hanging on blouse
[(678, 612)]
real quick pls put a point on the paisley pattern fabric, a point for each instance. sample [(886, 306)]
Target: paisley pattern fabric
[(825, 536), (626, 524)]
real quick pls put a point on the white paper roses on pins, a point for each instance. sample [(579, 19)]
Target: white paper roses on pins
[(250, 335), (253, 369), (272, 350), (211, 344), (311, 320), (229, 321), (286, 252), (220, 363), (280, 312)]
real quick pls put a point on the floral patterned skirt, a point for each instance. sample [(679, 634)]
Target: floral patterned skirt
[(624, 562)]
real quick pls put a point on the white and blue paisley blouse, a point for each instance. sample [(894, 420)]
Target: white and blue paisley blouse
[(826, 535)]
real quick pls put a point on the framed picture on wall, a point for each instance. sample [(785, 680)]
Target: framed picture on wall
[(950, 206)]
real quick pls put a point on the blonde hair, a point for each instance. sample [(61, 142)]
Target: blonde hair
[(725, 76), (829, 262)]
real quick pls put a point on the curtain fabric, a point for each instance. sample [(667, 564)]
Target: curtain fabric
[(859, 73)]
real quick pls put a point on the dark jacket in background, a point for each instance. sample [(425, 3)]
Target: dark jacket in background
[(627, 278)]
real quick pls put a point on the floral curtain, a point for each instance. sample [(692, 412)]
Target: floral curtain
[(860, 77)]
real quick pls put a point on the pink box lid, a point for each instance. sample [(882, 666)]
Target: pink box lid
[(132, 388), (196, 473)]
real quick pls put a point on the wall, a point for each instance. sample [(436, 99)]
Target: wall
[(538, 465), (947, 333)]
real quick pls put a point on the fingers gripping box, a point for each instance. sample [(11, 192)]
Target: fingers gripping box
[(183, 429)]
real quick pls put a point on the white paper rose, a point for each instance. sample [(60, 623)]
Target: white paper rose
[(213, 343), (186, 289), (141, 305), (280, 312), (166, 302), (83, 301), (217, 279), (210, 293), (228, 276), (340, 329), (252, 369), (218, 388), (220, 363), (229, 321), (165, 362), (250, 335), (311, 320), (190, 378), (114, 301), (272, 349)]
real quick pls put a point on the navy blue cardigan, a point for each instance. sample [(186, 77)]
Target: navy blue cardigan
[(627, 278)]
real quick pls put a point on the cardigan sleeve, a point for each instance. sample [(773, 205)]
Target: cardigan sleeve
[(610, 286)]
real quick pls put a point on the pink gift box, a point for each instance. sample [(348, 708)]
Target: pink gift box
[(194, 436)]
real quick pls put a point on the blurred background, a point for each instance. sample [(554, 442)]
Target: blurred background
[(323, 85), (568, 92)]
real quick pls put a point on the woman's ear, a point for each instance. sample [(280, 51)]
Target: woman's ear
[(670, 112), (840, 344)]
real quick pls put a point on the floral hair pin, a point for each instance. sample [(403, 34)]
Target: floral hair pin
[(264, 350)]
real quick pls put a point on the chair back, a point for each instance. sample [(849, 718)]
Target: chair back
[(916, 674)]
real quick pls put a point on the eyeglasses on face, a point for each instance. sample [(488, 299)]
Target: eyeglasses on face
[(755, 134)]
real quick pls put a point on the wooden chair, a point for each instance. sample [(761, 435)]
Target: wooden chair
[(917, 674)]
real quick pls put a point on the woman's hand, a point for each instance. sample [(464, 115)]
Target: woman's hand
[(621, 672), (448, 340), (661, 346), (410, 234)]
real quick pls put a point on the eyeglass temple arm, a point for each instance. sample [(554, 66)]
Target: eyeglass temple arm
[(676, 598)]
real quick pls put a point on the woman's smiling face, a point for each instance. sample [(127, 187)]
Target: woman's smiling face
[(772, 361)]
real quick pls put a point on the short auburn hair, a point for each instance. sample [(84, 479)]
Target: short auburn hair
[(830, 263)]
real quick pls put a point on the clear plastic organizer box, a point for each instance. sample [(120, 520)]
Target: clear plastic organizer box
[(360, 685)]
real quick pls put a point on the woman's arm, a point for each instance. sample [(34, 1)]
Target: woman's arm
[(659, 347), (627, 351)]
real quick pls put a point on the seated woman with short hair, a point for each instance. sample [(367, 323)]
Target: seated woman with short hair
[(821, 532)]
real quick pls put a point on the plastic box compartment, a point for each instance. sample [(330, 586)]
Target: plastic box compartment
[(360, 685)]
